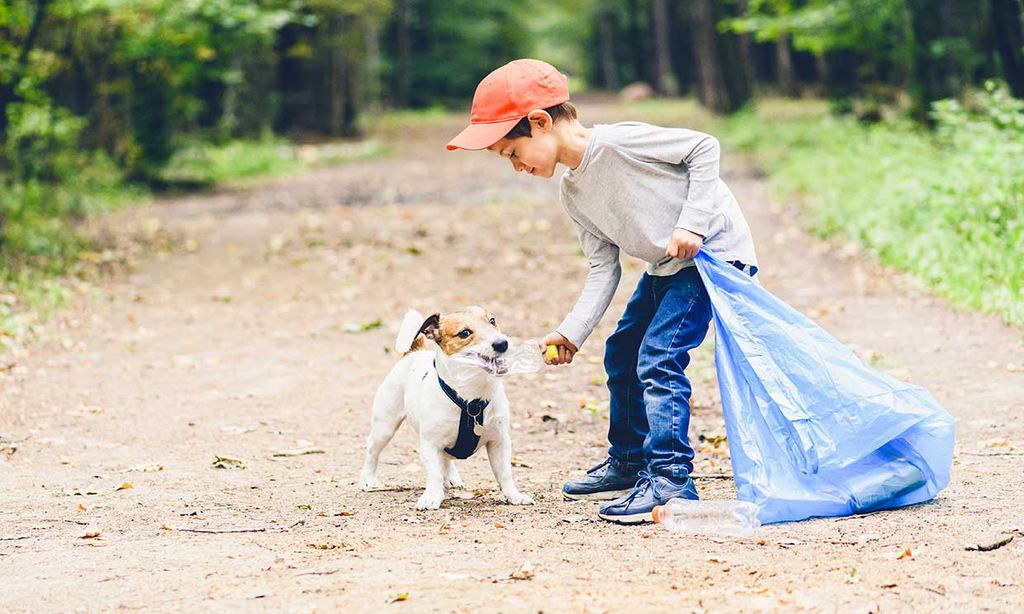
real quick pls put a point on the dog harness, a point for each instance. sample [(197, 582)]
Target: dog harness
[(472, 414)]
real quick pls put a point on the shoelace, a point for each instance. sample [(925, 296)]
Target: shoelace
[(646, 480), (599, 465)]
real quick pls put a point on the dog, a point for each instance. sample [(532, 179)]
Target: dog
[(448, 386)]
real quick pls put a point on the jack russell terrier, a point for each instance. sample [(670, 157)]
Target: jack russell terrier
[(447, 384)]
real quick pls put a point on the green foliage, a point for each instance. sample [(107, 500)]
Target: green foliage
[(946, 206), (458, 42), (823, 25)]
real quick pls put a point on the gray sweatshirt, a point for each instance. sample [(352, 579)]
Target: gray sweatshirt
[(636, 184)]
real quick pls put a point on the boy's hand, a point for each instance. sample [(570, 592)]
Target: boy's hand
[(566, 350), (683, 244)]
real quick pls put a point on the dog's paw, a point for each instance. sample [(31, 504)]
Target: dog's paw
[(369, 483), (430, 501), (453, 481), (519, 498)]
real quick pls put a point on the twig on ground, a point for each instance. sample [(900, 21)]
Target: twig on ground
[(989, 547), (318, 573), (13, 539), (992, 453), (259, 530)]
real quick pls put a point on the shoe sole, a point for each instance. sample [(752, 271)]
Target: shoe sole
[(605, 495), (627, 519)]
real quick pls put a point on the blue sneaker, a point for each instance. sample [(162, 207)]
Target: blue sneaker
[(616, 480), (650, 491)]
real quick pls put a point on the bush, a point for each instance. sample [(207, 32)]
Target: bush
[(946, 206)]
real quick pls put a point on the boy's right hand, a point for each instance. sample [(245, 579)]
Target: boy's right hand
[(566, 350)]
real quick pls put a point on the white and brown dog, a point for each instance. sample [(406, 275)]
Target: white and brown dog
[(455, 406)]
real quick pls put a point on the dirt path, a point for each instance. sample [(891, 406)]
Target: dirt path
[(240, 348)]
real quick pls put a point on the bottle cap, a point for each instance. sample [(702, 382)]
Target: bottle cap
[(656, 514)]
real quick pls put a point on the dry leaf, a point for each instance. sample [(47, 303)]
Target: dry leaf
[(906, 554), (165, 527), (226, 462), (525, 572), (998, 442), (151, 468), (81, 507), (398, 597), (125, 486), (91, 534)]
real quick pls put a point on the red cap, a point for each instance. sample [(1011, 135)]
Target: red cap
[(506, 96)]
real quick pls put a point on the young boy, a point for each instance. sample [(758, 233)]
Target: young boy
[(655, 194)]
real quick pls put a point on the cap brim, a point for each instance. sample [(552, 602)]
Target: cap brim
[(481, 136)]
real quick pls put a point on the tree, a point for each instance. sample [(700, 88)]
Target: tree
[(665, 80)]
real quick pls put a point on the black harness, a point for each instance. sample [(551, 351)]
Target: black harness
[(472, 413)]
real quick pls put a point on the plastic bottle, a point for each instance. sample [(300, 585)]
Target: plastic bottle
[(733, 518), (521, 357)]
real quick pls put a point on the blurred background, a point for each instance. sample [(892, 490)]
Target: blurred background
[(898, 123)]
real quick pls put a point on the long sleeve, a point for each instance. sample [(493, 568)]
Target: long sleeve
[(598, 290), (700, 152), (702, 158)]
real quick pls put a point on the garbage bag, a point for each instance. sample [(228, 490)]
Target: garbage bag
[(812, 430)]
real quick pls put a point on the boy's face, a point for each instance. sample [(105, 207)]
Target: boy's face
[(536, 154)]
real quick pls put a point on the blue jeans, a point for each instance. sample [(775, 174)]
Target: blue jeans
[(646, 358)]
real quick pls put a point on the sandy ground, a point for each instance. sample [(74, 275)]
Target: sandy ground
[(240, 343)]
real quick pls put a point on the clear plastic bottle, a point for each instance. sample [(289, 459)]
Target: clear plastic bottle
[(732, 518)]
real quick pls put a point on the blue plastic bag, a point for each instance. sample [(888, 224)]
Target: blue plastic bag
[(812, 430)]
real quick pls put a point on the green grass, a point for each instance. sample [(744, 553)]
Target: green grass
[(945, 205), (240, 159)]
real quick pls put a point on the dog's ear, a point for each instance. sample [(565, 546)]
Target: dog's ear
[(431, 327)]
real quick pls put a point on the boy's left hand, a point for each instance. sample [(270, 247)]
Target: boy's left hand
[(683, 244)]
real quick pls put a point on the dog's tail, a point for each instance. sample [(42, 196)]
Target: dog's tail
[(408, 331)]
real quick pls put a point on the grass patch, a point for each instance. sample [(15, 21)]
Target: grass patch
[(945, 205), (235, 160)]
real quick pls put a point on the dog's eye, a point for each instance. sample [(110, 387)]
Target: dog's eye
[(493, 322), (465, 333)]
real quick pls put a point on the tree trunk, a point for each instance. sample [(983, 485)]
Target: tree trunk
[(665, 80), (1008, 33), (371, 74), (931, 78), (403, 11), (606, 26), (637, 47), (712, 92), (784, 63)]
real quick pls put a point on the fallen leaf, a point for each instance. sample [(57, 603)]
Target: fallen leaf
[(226, 462), (997, 442), (91, 534), (151, 468), (354, 327), (906, 554), (304, 506), (81, 507), (525, 572), (398, 597), (166, 528), (125, 486)]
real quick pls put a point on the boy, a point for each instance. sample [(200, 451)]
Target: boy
[(655, 194)]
